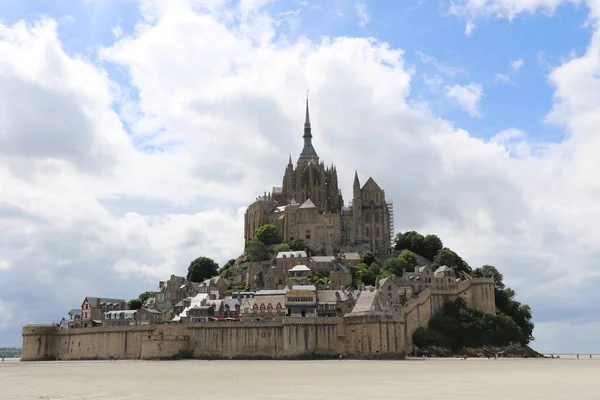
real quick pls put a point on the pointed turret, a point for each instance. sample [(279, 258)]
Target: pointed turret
[(356, 182), (290, 162), (308, 151)]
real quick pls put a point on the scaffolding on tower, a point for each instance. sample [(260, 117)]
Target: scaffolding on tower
[(390, 206)]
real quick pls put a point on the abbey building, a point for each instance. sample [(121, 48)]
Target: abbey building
[(309, 205)]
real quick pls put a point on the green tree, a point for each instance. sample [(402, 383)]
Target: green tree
[(202, 268), (368, 257), (424, 337), (401, 242), (267, 234), (412, 241), (145, 296), (257, 251), (450, 259), (395, 266), (460, 326), (362, 273), (134, 304), (375, 269), (506, 303), (488, 271), (282, 247), (410, 258), (297, 245), (432, 245)]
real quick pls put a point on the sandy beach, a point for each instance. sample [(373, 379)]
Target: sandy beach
[(289, 380)]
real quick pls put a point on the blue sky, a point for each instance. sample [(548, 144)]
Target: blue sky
[(433, 40), (151, 131)]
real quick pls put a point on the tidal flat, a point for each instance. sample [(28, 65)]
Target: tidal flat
[(290, 380)]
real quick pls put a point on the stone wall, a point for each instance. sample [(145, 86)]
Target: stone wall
[(290, 338), (359, 337)]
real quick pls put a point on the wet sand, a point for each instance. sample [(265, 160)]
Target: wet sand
[(290, 380)]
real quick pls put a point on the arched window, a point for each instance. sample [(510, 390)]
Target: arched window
[(367, 231)]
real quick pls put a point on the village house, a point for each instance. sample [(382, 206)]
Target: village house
[(204, 313), (247, 309), (321, 263), (298, 275), (334, 303), (350, 259), (396, 291), (269, 304), (174, 290), (425, 277), (215, 284), (119, 318), (150, 316), (74, 318), (301, 301), (92, 309), (340, 277), (289, 259), (276, 277)]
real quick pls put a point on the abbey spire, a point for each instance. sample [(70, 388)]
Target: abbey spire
[(308, 151)]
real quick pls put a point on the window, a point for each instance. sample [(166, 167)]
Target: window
[(307, 235), (377, 231), (367, 231)]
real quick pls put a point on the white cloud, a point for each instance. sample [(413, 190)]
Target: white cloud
[(510, 9), (442, 68), (502, 78), (469, 27), (117, 31), (433, 83), (516, 65), (4, 264), (467, 97), (93, 209), (363, 14)]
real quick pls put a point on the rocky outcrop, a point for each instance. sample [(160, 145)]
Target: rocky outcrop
[(512, 351)]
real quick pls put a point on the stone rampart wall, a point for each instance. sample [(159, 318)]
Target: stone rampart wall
[(361, 336), (365, 337)]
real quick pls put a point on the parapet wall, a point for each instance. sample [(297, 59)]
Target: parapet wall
[(370, 336), (291, 338)]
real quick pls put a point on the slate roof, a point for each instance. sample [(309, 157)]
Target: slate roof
[(94, 300), (308, 204), (231, 303), (323, 258), (291, 254), (371, 302), (273, 300), (276, 292), (329, 296), (75, 311), (351, 256), (300, 268), (304, 287), (444, 271)]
